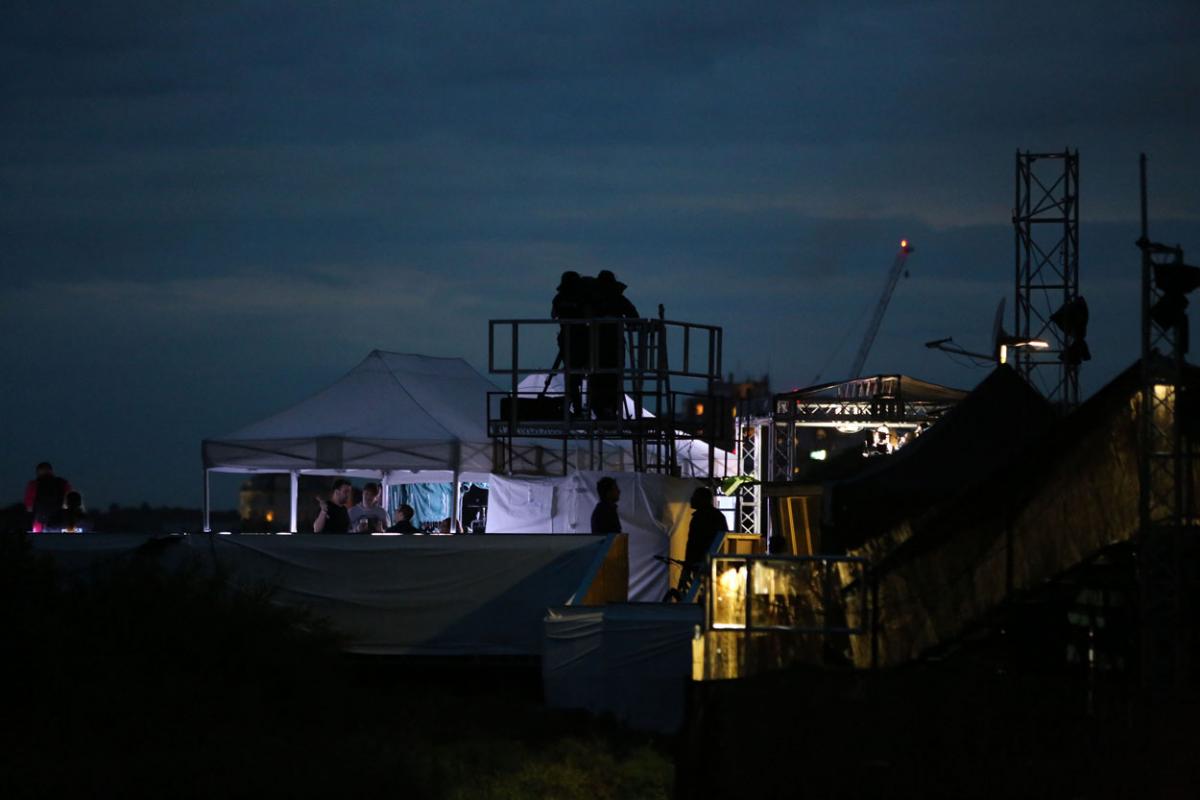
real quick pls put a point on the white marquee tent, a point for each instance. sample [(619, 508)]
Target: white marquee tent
[(399, 418)]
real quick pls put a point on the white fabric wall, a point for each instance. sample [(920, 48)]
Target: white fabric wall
[(629, 660), (394, 595), (654, 513)]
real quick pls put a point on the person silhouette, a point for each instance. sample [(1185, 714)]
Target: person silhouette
[(605, 387), (74, 518), (44, 496), (707, 524), (574, 346)]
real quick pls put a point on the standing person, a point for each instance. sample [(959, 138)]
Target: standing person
[(44, 496), (574, 348), (605, 518), (333, 517), (404, 520), (606, 389), (707, 524), (369, 509)]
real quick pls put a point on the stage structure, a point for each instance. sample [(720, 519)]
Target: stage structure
[(1048, 306), (623, 390), (874, 414), (1168, 552)]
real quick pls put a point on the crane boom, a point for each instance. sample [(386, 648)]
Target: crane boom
[(864, 349)]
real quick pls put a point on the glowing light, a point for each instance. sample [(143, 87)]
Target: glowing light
[(270, 516), (1163, 390), (819, 455), (904, 244), (699, 409), (1036, 344), (729, 606), (1003, 354)]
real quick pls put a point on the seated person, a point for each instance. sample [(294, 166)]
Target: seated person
[(74, 519), (404, 517)]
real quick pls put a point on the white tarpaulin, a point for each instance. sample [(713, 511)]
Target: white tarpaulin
[(631, 661), (654, 512), (692, 455), (394, 595)]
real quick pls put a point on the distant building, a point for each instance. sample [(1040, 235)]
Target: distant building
[(712, 418)]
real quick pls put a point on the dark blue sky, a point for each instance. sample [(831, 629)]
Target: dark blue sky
[(209, 211)]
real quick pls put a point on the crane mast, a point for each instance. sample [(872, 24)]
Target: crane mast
[(864, 349)]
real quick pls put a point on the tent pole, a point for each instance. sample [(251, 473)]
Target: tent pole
[(385, 492), (457, 503), (207, 503), (294, 482)]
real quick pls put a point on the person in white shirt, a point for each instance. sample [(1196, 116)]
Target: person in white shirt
[(370, 510)]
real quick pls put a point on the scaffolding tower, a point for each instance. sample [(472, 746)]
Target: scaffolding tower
[(1167, 548), (1046, 227), (549, 418)]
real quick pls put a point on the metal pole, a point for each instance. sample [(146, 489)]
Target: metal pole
[(207, 503), (294, 489), (456, 519)]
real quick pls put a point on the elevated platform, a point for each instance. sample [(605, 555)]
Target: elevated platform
[(617, 380), (895, 400)]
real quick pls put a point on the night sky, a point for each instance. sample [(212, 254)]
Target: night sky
[(209, 211)]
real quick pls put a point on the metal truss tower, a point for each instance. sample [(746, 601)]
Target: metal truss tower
[(751, 462), (1046, 226), (1168, 542)]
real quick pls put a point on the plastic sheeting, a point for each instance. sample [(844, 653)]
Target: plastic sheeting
[(692, 455), (631, 661), (394, 595), (431, 502), (654, 513)]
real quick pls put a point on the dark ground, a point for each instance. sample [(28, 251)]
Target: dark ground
[(141, 683), (956, 729)]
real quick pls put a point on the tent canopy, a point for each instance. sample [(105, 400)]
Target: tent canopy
[(393, 411)]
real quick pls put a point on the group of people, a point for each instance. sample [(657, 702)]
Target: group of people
[(707, 524), (54, 505), (583, 297), (340, 514)]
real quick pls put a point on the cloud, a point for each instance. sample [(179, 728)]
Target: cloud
[(208, 211)]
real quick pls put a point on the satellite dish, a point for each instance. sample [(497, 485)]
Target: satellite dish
[(998, 326)]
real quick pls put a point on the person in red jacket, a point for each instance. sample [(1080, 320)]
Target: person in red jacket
[(44, 497)]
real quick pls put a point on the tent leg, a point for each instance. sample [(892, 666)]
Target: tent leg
[(385, 493), (294, 492), (456, 521), (207, 504)]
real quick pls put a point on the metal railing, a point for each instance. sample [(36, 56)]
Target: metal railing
[(799, 594), (600, 362)]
